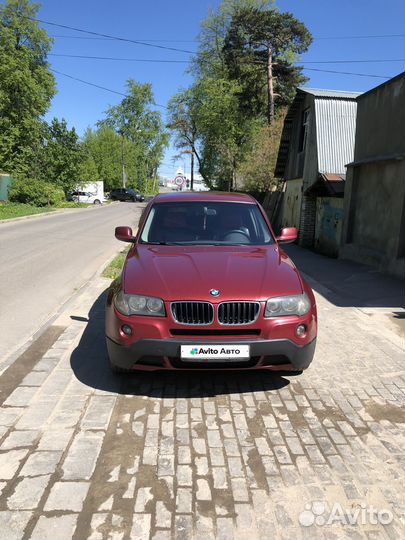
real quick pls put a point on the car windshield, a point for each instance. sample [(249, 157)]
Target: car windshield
[(206, 223)]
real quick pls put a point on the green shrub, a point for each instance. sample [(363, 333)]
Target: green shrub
[(36, 192)]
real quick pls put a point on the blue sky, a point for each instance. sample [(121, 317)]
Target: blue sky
[(178, 23)]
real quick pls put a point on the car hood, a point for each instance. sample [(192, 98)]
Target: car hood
[(190, 272)]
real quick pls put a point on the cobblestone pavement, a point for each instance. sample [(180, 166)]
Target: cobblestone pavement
[(88, 454)]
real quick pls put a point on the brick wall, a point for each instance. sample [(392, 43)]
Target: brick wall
[(307, 221)]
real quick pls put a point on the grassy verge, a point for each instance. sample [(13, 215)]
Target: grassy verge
[(14, 210), (70, 204), (113, 270)]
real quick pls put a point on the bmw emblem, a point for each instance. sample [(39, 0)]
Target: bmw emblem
[(214, 292)]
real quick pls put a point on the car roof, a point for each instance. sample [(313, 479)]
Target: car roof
[(204, 196)]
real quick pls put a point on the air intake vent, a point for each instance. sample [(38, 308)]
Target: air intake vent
[(238, 312), (197, 313)]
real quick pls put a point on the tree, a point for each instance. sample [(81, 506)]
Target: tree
[(26, 84), (87, 170), (142, 128), (182, 121), (259, 48), (257, 168), (105, 148), (210, 60), (61, 157)]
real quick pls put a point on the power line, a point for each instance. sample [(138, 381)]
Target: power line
[(349, 73), (149, 44), (165, 107), (98, 86), (375, 36), (112, 39), (362, 37), (188, 61), (118, 38), (120, 59), (349, 61)]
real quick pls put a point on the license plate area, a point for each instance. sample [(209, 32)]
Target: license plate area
[(214, 353)]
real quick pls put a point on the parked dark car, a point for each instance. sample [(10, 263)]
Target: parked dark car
[(126, 194), (206, 284)]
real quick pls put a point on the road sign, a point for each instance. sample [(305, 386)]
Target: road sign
[(179, 180)]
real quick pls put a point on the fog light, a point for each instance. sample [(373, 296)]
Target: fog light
[(301, 330), (126, 329)]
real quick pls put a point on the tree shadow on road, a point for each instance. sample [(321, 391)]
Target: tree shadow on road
[(89, 363)]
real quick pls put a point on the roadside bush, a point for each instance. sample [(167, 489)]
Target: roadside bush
[(36, 193)]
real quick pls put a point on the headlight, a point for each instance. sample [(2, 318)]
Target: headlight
[(135, 304), (287, 305)]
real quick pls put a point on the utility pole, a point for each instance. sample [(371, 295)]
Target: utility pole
[(270, 90), (124, 180), (192, 171)]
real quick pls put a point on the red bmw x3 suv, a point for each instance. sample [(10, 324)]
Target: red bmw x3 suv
[(207, 285)]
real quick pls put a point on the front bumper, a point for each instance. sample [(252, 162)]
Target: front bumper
[(151, 354)]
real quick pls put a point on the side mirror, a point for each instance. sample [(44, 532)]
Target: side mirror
[(124, 234), (288, 235)]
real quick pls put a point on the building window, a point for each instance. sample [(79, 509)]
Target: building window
[(304, 130)]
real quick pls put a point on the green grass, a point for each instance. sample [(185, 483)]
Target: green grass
[(71, 204), (113, 270), (14, 210)]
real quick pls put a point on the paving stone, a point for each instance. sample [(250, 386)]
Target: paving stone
[(10, 462), (98, 412), (212, 456), (55, 439), (184, 475), (67, 496), (220, 478), (27, 493), (36, 417), (55, 528), (163, 516), (239, 490), (183, 527), (12, 524), (184, 455), (82, 456), (225, 528), (21, 396), (40, 463), (235, 467), (35, 378), (165, 465), (143, 496), (201, 464), (203, 490), (18, 439), (184, 499), (9, 415)]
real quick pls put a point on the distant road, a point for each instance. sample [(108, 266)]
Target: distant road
[(43, 260)]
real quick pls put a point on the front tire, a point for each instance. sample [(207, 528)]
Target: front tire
[(97, 201)]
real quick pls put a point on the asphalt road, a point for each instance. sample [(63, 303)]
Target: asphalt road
[(44, 260)]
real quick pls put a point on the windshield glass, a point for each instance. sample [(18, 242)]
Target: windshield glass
[(210, 223)]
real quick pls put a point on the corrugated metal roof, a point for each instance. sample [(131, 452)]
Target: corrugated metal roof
[(335, 133), (335, 115), (330, 93)]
